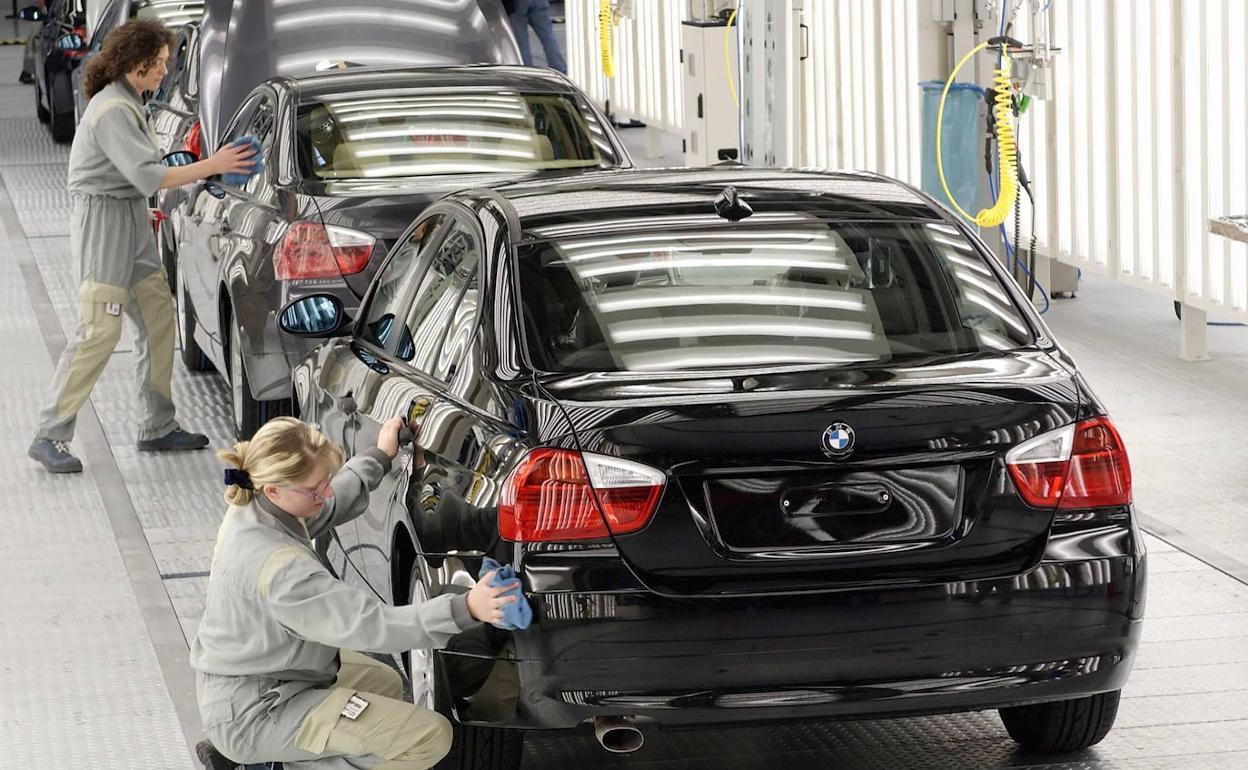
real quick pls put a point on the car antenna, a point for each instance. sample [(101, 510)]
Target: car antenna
[(730, 206)]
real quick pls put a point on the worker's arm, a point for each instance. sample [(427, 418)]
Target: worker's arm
[(358, 477), (230, 159), (313, 605)]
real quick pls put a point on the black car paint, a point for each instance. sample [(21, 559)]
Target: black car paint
[(230, 274), (55, 67), (659, 624)]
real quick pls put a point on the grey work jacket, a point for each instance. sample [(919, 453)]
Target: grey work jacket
[(114, 153), (274, 612)]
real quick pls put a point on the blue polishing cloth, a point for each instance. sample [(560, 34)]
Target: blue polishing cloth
[(518, 614), (238, 180)]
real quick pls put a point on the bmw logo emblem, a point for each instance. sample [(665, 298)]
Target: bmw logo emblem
[(838, 440)]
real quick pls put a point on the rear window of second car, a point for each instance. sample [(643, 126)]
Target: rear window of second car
[(840, 293), (440, 132)]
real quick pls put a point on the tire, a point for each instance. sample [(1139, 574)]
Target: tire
[(193, 357), (249, 414), (62, 122), (472, 748), (41, 111), (1062, 726)]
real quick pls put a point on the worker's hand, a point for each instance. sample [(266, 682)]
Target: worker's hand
[(388, 439), (233, 159), (486, 603)]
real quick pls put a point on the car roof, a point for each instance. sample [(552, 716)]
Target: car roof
[(685, 197), (353, 79)]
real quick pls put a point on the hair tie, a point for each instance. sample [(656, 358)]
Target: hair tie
[(238, 478)]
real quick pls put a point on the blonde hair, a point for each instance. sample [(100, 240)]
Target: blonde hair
[(283, 451)]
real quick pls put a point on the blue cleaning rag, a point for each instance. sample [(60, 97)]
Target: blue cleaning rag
[(238, 180), (518, 614)]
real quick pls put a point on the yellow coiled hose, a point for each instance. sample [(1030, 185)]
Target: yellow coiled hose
[(1007, 151), (606, 18)]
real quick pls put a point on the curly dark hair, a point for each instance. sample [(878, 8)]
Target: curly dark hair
[(134, 44)]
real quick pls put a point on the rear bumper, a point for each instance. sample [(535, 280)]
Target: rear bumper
[(1065, 629)]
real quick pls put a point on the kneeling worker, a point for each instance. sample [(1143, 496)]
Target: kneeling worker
[(277, 676), (114, 167)]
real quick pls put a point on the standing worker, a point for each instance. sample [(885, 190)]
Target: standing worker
[(277, 675), (114, 168), (536, 14)]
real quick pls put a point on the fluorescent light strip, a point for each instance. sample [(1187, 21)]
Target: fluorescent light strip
[(687, 262), (637, 331), (641, 299), (395, 133), (429, 113), (392, 150)]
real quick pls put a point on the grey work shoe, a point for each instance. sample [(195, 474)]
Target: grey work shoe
[(174, 441), (212, 759), (55, 456)]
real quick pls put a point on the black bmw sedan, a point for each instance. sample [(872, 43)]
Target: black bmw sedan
[(351, 156), (761, 445)]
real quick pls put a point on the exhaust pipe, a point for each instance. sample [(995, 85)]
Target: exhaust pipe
[(618, 735)]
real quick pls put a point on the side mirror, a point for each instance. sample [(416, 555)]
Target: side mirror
[(179, 158), (71, 42), (318, 315), (31, 13)]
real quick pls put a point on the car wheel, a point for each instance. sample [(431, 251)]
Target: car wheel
[(193, 357), (1062, 726), (249, 414), (60, 93), (40, 110), (472, 748)]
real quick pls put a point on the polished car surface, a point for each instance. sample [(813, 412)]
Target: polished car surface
[(761, 445), (171, 13), (59, 45), (351, 157), (246, 42)]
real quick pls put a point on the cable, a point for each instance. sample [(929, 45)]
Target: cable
[(732, 89), (1006, 155)]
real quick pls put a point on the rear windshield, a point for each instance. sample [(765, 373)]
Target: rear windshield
[(831, 294), (435, 133)]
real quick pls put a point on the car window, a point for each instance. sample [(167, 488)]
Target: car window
[(825, 294), (395, 281), (431, 132), (177, 66), (263, 126), (436, 303), (460, 332), (191, 84)]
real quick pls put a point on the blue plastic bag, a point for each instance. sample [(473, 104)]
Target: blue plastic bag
[(518, 614), (961, 135), (238, 180)]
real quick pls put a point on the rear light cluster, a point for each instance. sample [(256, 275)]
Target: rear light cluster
[(558, 495), (1079, 466), (194, 143), (314, 250)]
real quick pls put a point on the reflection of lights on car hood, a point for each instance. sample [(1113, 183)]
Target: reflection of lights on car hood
[(343, 16)]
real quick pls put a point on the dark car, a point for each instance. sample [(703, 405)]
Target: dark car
[(173, 114), (351, 157), (246, 42), (59, 45), (172, 13), (761, 446)]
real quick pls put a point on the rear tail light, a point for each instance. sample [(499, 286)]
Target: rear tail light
[(557, 495), (194, 143), (1078, 466), (313, 250)]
